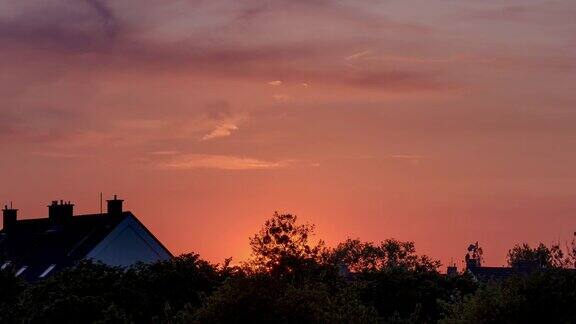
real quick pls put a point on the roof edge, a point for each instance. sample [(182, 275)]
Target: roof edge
[(130, 214)]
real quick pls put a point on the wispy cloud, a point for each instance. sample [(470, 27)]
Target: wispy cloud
[(413, 159), (222, 162), (223, 130), (61, 155), (164, 152), (215, 122), (125, 35), (407, 156), (223, 122), (359, 55)]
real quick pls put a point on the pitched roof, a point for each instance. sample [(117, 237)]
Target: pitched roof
[(37, 244)]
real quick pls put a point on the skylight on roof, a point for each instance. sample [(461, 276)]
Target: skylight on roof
[(47, 271), (6, 264), (19, 272)]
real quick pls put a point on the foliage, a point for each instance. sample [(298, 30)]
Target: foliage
[(79, 293), (543, 256), (92, 292), (282, 246), (540, 256), (407, 295), (11, 288), (367, 257), (546, 296), (290, 279), (265, 299), (159, 289)]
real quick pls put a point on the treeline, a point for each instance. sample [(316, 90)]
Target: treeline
[(293, 279)]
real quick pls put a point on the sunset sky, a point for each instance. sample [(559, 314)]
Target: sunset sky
[(443, 122)]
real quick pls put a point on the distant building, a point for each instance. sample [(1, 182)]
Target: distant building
[(474, 267), (37, 248)]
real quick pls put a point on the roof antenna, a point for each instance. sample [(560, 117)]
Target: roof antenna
[(100, 202)]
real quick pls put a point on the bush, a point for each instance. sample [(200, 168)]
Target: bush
[(545, 296)]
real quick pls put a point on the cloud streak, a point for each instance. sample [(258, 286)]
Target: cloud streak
[(122, 35), (221, 162), (223, 130)]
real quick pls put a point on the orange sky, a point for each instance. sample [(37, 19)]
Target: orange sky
[(442, 122)]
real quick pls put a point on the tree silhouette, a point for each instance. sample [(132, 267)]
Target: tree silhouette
[(282, 245), (541, 297), (543, 256), (360, 256), (294, 278)]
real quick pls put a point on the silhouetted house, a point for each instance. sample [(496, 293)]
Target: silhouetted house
[(502, 273), (491, 273), (474, 267), (36, 248)]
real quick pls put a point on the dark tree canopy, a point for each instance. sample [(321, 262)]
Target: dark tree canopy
[(282, 245), (368, 257), (543, 256), (293, 278), (543, 297), (540, 256)]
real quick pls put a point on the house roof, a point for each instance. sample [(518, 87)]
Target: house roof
[(37, 244), (493, 273)]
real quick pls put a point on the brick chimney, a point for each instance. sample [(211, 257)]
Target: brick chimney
[(115, 206), (9, 218), (60, 213)]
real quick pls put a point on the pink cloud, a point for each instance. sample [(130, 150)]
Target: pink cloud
[(223, 162)]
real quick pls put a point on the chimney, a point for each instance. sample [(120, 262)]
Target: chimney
[(9, 218), (115, 206), (452, 270), (60, 213)]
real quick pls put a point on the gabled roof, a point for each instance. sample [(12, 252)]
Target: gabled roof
[(37, 244)]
